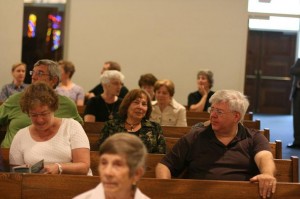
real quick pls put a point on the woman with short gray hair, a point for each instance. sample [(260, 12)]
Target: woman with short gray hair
[(105, 106), (121, 165)]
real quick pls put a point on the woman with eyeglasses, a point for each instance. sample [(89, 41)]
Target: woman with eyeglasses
[(60, 142), (134, 113), (18, 72)]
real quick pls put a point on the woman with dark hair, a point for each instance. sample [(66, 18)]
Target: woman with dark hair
[(134, 113)]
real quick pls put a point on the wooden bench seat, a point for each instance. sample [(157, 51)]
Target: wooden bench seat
[(94, 138), (287, 169), (193, 114), (191, 121), (28, 186)]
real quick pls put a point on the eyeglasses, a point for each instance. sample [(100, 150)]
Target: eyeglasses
[(43, 115), (38, 73), (219, 112)]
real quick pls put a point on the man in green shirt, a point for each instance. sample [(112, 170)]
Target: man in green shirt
[(10, 111)]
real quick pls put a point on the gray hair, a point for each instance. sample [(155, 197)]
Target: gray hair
[(108, 75), (209, 75), (53, 69), (131, 146), (236, 100)]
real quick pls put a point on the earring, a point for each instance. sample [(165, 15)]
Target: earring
[(133, 186)]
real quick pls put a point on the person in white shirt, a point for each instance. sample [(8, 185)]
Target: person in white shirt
[(121, 164), (166, 110), (60, 142)]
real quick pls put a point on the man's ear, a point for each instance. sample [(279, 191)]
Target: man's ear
[(237, 116), (54, 82)]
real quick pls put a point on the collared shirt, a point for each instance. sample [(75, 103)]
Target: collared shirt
[(205, 157), (9, 89), (173, 115), (98, 193)]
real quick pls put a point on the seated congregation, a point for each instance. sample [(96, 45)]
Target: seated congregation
[(139, 140)]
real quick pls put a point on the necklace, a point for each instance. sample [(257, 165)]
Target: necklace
[(132, 126), (110, 112)]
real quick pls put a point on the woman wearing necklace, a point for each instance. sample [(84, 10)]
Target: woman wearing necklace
[(134, 113), (105, 106)]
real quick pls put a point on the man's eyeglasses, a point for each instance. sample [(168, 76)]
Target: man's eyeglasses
[(35, 115), (38, 73), (219, 112)]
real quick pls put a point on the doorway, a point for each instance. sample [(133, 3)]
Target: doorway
[(267, 81)]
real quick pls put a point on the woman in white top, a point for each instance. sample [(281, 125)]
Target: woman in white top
[(66, 86), (121, 165), (62, 143), (166, 110)]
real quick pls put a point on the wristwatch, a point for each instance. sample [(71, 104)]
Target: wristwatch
[(60, 170)]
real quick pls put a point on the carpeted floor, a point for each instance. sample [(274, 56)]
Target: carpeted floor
[(281, 128)]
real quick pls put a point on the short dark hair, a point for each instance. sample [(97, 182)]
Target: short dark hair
[(113, 65), (147, 79)]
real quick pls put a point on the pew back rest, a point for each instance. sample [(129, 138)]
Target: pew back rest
[(287, 169), (10, 185), (248, 115), (191, 121), (68, 186)]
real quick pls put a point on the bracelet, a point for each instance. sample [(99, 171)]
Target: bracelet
[(60, 170)]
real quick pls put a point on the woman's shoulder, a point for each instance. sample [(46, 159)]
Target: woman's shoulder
[(177, 104), (150, 124)]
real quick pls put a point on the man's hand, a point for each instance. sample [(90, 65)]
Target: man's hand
[(266, 183)]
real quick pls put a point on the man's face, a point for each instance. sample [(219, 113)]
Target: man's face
[(41, 73), (222, 118)]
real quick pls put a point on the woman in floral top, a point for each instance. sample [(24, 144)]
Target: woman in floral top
[(134, 113)]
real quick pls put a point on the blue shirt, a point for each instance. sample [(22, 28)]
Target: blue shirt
[(9, 89)]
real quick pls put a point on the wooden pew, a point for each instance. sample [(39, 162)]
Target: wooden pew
[(94, 138), (191, 121), (168, 131), (10, 185), (80, 110), (68, 186), (93, 127), (276, 147), (248, 115), (5, 158), (287, 169)]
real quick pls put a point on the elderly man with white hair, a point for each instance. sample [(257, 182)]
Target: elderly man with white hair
[(223, 149)]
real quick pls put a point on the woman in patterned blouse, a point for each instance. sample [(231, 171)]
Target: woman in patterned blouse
[(134, 113)]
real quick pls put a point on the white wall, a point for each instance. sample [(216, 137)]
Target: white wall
[(172, 39), (11, 15)]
